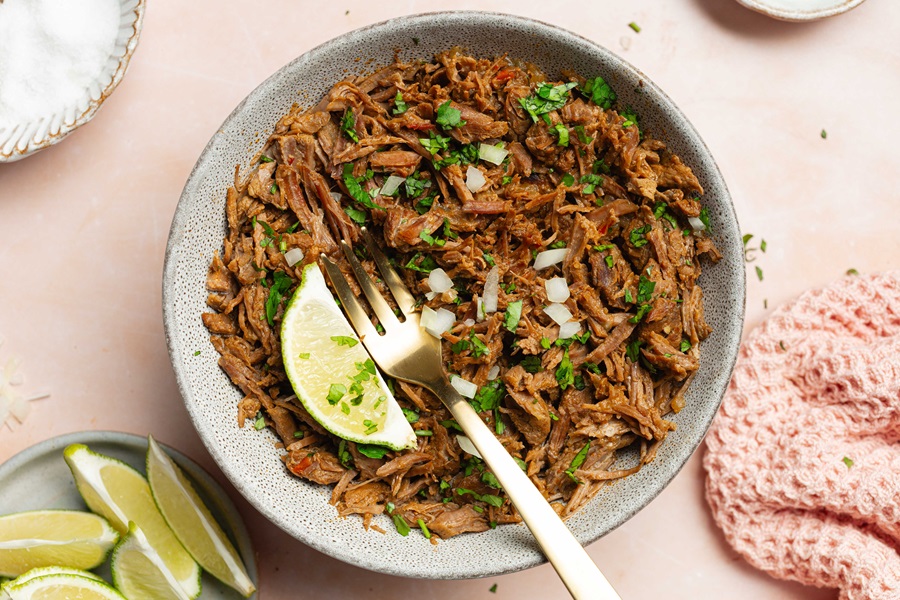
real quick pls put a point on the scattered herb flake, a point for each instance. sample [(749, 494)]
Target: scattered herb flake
[(513, 314), (562, 134), (260, 422), (546, 99), (565, 375), (400, 106), (355, 189), (578, 461), (276, 293), (448, 117), (848, 461), (852, 272), (344, 340), (635, 27), (348, 124), (493, 589), (824, 134), (759, 273), (599, 92), (372, 451)]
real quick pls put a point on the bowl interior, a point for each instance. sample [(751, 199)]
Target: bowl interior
[(248, 457)]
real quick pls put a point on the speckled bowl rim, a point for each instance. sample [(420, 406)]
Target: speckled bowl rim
[(50, 138), (765, 7), (450, 568), (209, 487)]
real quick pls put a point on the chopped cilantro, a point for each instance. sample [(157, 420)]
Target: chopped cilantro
[(704, 218), (196, 353), (460, 346), (513, 314), (356, 215), (635, 27), (479, 348), (762, 245), (582, 136), (348, 123), (260, 422), (565, 375), (424, 432), (448, 117), (488, 259), (848, 461), (449, 424), (411, 415), (568, 180), (685, 345), (643, 309), (546, 99), (489, 479), (489, 396), (400, 106), (344, 455), (421, 264), (759, 273), (344, 340), (493, 588), (637, 236), (628, 297), (531, 364), (824, 134), (335, 392), (372, 451), (276, 293), (355, 189), (424, 205), (266, 159), (435, 143), (424, 528), (852, 272), (303, 355), (645, 289), (578, 461), (562, 133), (599, 92), (630, 117), (592, 181), (632, 350)]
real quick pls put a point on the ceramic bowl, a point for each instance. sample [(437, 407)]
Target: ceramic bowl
[(23, 139), (249, 458), (801, 10)]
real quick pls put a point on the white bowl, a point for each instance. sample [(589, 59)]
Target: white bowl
[(29, 136), (801, 10)]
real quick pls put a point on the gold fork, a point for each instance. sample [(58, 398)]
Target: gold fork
[(406, 351)]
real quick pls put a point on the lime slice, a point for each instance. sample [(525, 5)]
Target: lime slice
[(192, 522), (62, 586), (44, 571), (139, 571), (333, 375), (116, 491), (53, 537)]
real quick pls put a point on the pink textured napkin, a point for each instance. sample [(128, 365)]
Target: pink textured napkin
[(803, 459)]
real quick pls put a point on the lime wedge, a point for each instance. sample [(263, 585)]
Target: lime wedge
[(192, 522), (53, 537), (333, 375), (116, 491), (62, 586), (44, 571), (139, 572)]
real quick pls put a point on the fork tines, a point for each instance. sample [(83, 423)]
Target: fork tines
[(354, 308)]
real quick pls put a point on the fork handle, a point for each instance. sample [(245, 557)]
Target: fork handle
[(576, 569)]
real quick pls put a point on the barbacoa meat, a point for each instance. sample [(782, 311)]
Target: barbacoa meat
[(577, 175)]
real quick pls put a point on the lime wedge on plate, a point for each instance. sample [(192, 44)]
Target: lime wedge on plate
[(116, 491), (44, 571), (140, 573), (333, 375), (61, 586), (191, 521), (53, 537)]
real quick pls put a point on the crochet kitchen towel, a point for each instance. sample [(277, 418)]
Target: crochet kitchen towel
[(803, 459)]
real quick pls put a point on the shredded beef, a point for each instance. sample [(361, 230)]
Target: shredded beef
[(577, 176)]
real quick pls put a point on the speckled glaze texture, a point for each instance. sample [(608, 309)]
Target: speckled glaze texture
[(25, 139), (249, 458)]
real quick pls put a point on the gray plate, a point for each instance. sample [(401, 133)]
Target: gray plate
[(39, 478), (248, 457)]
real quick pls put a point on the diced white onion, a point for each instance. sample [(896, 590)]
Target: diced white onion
[(567, 330), (696, 224), (438, 281), (559, 313), (548, 258), (466, 388), (491, 290), (469, 322), (494, 372), (474, 179), (436, 322), (337, 196), (293, 256), (557, 289), (392, 184), (467, 445), (430, 295), (479, 309), (492, 154)]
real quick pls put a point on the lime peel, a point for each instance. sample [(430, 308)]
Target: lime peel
[(191, 521), (61, 586), (336, 380), (139, 571)]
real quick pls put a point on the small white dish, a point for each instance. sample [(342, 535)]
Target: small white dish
[(38, 478), (801, 10), (27, 136)]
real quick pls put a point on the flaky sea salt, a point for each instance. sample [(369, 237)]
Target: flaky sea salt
[(52, 53)]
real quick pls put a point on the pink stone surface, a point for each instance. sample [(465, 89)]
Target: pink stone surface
[(84, 227)]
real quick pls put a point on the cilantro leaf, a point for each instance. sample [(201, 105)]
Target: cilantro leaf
[(565, 375), (489, 396), (400, 106), (448, 117), (513, 314), (435, 143), (562, 132), (578, 461), (636, 237), (276, 293), (599, 92), (355, 189), (348, 123), (372, 450), (546, 99)]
